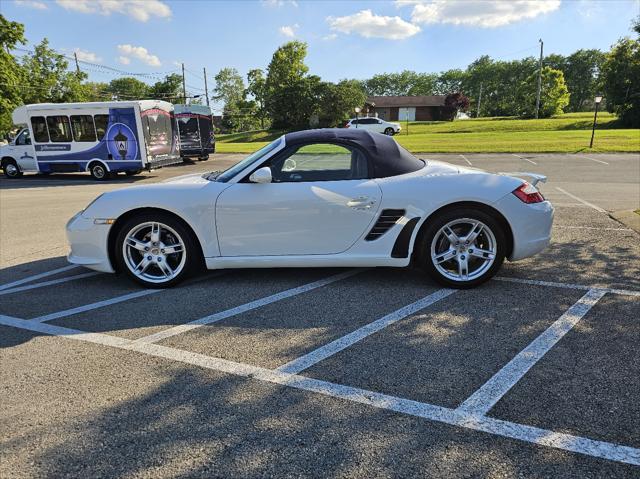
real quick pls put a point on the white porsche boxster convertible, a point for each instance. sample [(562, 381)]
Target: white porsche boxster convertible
[(326, 198)]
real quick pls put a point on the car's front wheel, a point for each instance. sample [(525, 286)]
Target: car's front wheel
[(156, 250), (462, 248), (389, 131)]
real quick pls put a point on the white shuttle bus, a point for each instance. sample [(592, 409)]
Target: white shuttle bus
[(103, 138)]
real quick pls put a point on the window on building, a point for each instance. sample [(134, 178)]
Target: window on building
[(82, 127)]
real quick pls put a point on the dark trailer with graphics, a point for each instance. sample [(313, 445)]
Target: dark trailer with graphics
[(103, 138), (195, 124)]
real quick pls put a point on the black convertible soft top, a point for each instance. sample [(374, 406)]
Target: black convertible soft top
[(387, 157)]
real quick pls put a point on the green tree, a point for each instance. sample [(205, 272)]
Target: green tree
[(128, 88), (449, 81), (403, 83), (229, 87), (287, 98), (169, 89), (257, 88), (554, 95), (337, 101), (13, 80), (620, 73), (47, 71)]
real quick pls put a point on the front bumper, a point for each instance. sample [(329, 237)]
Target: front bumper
[(530, 224), (89, 243)]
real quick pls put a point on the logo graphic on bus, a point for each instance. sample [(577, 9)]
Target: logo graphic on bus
[(121, 142)]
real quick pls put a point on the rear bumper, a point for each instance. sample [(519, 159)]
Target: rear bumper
[(530, 224), (88, 244)]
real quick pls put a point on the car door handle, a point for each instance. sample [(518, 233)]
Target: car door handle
[(361, 203)]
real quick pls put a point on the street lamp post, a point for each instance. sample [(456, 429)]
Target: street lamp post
[(598, 99), (357, 110)]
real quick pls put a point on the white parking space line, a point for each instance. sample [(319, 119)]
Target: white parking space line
[(49, 283), (37, 276), (592, 159), (523, 158), (537, 282), (465, 159), (92, 306), (167, 333), (586, 203), (308, 360), (481, 401), (530, 434), (591, 228)]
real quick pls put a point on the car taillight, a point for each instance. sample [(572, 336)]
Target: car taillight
[(528, 193)]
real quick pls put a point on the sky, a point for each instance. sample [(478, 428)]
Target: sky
[(346, 39)]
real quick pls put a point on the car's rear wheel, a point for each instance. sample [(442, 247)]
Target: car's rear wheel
[(388, 131), (462, 247), (156, 250), (203, 158), (99, 171)]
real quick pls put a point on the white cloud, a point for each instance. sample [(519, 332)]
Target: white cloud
[(87, 56), (480, 13), (289, 31), (368, 25), (31, 4), (141, 10), (279, 3), (141, 53), (124, 60), (330, 36)]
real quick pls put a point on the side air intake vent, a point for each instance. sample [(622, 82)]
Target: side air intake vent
[(387, 219)]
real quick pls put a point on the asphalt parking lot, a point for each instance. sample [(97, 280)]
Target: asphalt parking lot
[(327, 372)]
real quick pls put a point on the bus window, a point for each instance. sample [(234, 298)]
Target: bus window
[(59, 129), (82, 127), (39, 126), (101, 122)]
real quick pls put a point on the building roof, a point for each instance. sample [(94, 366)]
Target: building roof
[(386, 156), (406, 101)]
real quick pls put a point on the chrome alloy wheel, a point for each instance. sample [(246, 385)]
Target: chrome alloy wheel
[(154, 252), (11, 169), (463, 249)]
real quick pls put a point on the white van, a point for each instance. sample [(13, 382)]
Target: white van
[(103, 138)]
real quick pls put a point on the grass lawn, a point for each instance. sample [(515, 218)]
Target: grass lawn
[(568, 133)]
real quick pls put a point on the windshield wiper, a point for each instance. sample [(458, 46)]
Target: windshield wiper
[(212, 175)]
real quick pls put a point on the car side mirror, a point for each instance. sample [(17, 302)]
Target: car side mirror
[(261, 175)]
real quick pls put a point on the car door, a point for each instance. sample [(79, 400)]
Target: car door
[(319, 202), (23, 152)]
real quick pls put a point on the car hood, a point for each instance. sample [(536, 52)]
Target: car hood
[(192, 178)]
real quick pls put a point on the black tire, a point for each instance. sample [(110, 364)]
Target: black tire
[(389, 131), (203, 158), (426, 239), (193, 261), (132, 173), (99, 172), (11, 170)]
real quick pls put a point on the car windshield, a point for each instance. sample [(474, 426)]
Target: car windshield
[(238, 167)]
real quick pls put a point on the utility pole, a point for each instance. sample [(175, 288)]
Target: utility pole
[(206, 89), (539, 78), (75, 55), (479, 100), (184, 87)]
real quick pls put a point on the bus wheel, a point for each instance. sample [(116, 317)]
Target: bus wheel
[(98, 171), (203, 158), (132, 173), (11, 169)]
